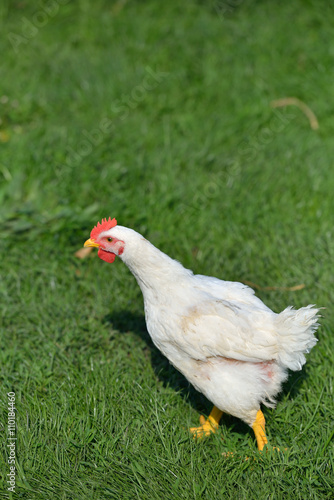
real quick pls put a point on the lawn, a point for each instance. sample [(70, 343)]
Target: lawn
[(159, 114)]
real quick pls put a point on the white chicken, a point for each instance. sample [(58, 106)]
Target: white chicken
[(218, 334)]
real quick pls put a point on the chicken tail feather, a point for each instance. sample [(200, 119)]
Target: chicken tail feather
[(296, 330)]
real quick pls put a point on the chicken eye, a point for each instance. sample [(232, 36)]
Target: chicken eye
[(109, 239)]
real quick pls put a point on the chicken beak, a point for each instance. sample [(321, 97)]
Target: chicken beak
[(91, 243)]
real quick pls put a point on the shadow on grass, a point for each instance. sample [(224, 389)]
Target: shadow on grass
[(125, 321)]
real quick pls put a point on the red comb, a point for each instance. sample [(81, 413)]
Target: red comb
[(102, 226)]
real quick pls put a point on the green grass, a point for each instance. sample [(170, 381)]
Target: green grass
[(195, 159)]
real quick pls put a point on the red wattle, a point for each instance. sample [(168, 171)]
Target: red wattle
[(106, 256)]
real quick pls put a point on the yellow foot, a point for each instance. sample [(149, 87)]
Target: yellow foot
[(208, 425), (205, 429), (259, 428)]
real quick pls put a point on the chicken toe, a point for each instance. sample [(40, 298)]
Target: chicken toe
[(260, 430), (208, 425)]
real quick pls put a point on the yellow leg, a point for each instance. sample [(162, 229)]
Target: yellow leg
[(259, 428), (207, 425)]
